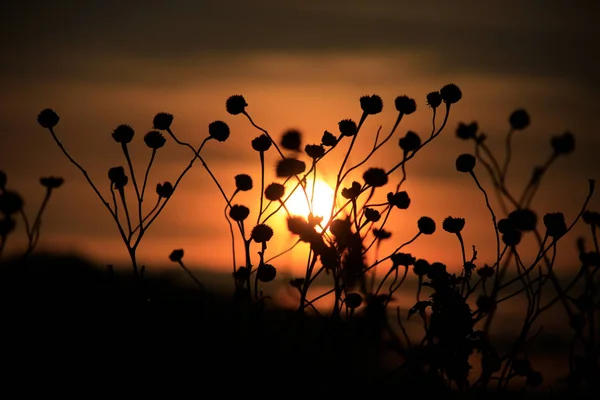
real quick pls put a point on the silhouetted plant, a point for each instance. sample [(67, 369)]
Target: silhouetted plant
[(457, 312)]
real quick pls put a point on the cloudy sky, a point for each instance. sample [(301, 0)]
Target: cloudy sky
[(302, 65)]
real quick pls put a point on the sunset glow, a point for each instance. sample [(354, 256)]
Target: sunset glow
[(321, 202)]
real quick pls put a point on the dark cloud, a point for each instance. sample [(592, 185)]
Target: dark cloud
[(534, 38)]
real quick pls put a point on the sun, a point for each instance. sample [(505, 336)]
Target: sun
[(321, 202)]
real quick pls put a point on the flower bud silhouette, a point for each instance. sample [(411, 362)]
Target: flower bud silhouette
[(274, 191), (402, 259), (314, 151), (421, 267), (466, 132), (236, 104), (176, 255), (347, 127), (164, 190), (399, 199), (465, 163), (266, 272), (523, 219), (405, 105), (48, 118), (328, 139), (291, 140), (426, 225), (486, 271), (218, 130), (410, 142), (261, 233), (3, 180), (289, 167), (451, 94), (555, 224), (51, 182), (117, 176), (239, 212), (371, 105), (261, 143), (10, 202), (591, 218), (123, 134), (511, 237), (485, 304), (519, 119), (372, 215), (353, 300), (154, 140), (453, 225), (563, 144), (162, 121), (375, 177), (434, 99), (243, 182), (352, 192), (437, 270), (7, 225), (381, 234)]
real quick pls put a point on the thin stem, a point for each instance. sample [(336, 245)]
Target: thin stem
[(506, 157), (491, 210), (147, 173)]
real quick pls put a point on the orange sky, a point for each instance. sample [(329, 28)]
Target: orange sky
[(301, 87)]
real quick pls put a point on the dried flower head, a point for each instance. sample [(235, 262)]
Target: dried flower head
[(437, 270), (314, 151), (328, 139), (123, 134), (426, 225), (375, 177), (274, 191), (117, 177), (511, 237), (591, 218), (485, 272), (563, 144), (48, 118), (372, 215), (164, 190), (399, 199), (353, 300), (519, 119), (555, 224), (410, 142), (453, 225), (239, 212), (371, 105), (154, 140), (405, 105), (51, 182), (352, 192), (243, 182), (261, 143), (266, 272), (176, 255), (381, 234), (10, 202), (261, 233), (347, 127), (291, 140), (523, 219), (218, 130), (451, 94), (403, 259), (236, 104), (466, 132), (162, 121), (289, 167), (434, 99), (421, 267), (465, 163)]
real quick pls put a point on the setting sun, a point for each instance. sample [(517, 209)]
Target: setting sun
[(322, 201)]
